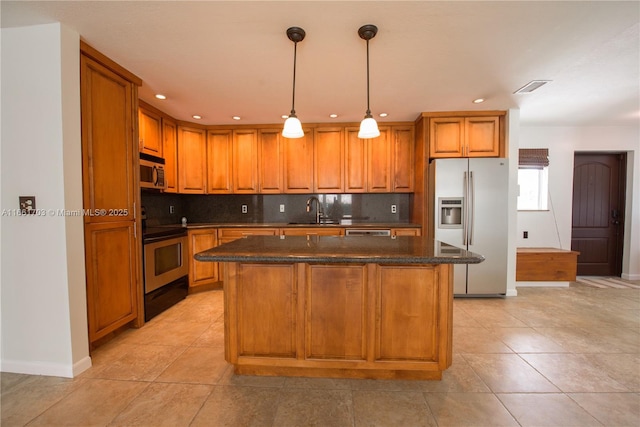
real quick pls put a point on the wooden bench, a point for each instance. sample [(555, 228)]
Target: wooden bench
[(546, 264)]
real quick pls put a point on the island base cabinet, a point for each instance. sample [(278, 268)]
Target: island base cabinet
[(338, 320)]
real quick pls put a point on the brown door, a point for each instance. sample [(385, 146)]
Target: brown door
[(598, 212)]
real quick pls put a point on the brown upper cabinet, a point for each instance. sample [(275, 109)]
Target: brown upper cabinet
[(192, 160), (170, 154), (480, 135), (270, 173), (241, 160), (298, 163), (403, 159), (380, 165), (328, 160), (150, 132), (219, 161), (245, 161)]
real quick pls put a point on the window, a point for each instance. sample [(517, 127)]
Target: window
[(533, 179)]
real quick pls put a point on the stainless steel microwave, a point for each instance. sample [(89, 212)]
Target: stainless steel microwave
[(152, 172)]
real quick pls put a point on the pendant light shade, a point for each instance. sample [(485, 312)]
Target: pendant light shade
[(292, 126), (368, 126)]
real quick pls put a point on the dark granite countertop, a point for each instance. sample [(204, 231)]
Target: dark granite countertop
[(340, 224), (339, 250)]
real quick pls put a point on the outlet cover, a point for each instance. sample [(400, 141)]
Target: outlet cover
[(394, 209), (172, 209), (244, 209)]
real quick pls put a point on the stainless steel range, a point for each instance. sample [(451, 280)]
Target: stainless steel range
[(166, 268)]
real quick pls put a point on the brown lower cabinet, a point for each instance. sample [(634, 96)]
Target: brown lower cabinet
[(312, 231), (336, 320), (202, 273), (111, 269)]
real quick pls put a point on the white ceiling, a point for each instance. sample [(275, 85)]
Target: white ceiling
[(220, 59)]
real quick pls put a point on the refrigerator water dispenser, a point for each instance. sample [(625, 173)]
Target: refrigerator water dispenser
[(450, 209)]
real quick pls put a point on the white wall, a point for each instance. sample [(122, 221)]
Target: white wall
[(44, 323), (553, 228)]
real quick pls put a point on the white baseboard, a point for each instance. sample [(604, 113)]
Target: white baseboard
[(81, 365), (46, 368), (544, 284), (630, 276)]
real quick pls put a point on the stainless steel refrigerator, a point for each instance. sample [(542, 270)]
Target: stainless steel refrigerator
[(470, 211)]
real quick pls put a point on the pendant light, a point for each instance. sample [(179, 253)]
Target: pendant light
[(292, 126), (368, 126)]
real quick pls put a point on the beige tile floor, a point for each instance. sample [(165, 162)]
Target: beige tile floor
[(549, 357)]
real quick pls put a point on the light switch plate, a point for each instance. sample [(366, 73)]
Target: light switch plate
[(27, 204), (281, 208)]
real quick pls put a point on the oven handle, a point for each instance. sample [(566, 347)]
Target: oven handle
[(148, 240)]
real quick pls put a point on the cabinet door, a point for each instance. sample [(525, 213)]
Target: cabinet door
[(111, 264), (150, 129), (170, 152), (226, 235), (328, 160), (482, 136), (219, 155), (202, 272), (192, 160), (298, 163), (403, 158), (109, 150), (408, 320), (379, 162), (312, 231), (405, 232), (245, 161), (446, 136), (269, 161), (355, 162)]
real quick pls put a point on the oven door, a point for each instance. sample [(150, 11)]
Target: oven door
[(164, 262)]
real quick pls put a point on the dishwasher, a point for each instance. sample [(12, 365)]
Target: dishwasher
[(368, 232)]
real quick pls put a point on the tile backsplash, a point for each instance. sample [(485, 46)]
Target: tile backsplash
[(263, 208)]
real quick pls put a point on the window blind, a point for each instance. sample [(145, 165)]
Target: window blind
[(533, 158)]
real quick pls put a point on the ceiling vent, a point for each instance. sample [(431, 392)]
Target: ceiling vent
[(531, 86)]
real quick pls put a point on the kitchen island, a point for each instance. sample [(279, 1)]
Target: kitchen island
[(335, 306)]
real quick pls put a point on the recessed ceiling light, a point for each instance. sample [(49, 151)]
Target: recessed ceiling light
[(197, 117), (333, 116), (383, 114), (160, 96), (236, 117), (531, 86), (478, 100)]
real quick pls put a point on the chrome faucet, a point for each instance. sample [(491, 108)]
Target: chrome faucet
[(319, 213)]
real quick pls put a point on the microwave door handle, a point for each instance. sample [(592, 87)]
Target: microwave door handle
[(154, 175)]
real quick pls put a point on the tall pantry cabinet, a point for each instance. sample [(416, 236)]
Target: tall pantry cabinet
[(109, 104)]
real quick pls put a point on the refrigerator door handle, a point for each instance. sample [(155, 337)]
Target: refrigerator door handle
[(465, 217), (472, 205)]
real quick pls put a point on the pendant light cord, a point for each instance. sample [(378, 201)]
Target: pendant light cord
[(293, 99), (368, 113)]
